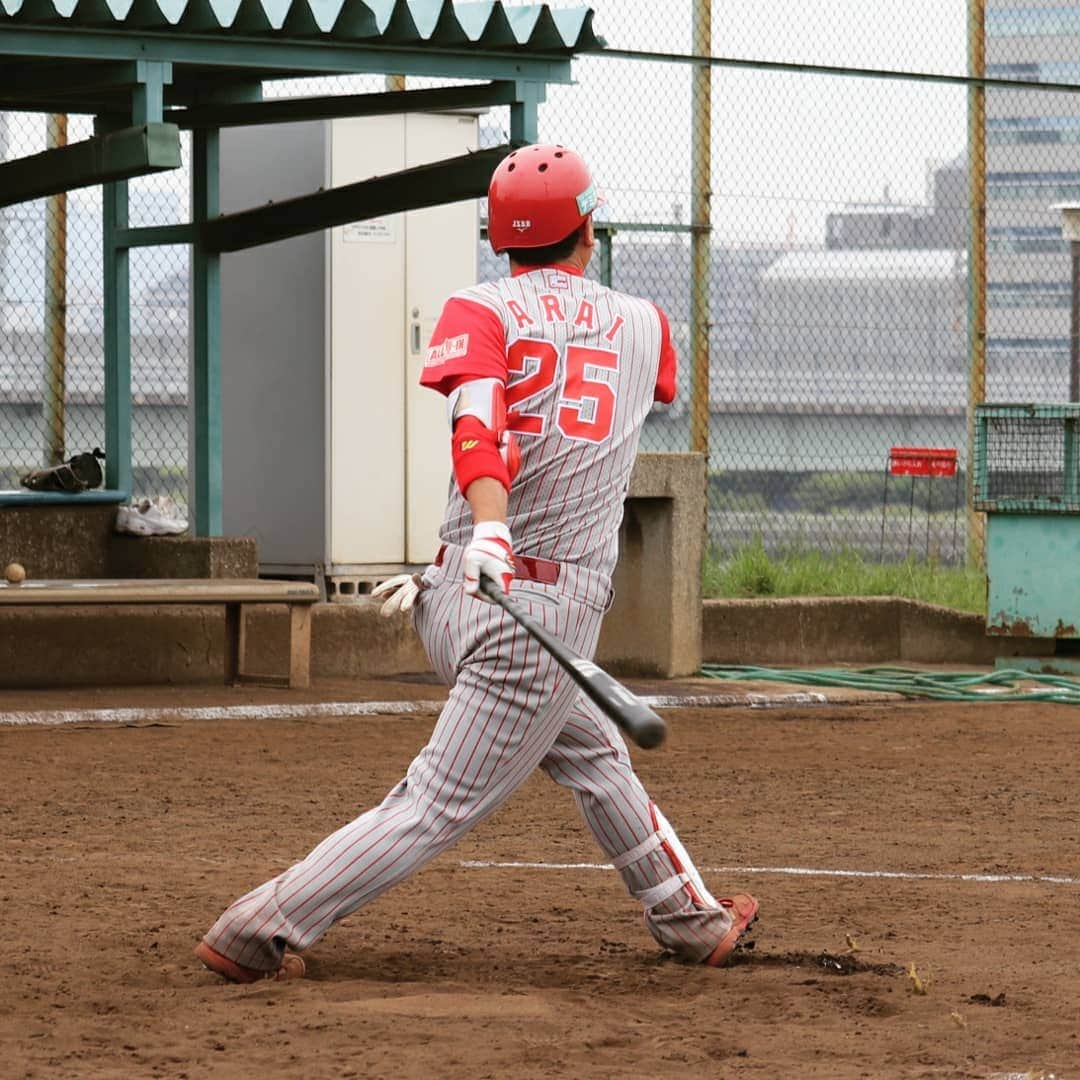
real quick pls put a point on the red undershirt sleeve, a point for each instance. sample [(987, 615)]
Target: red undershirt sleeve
[(468, 342), (669, 364)]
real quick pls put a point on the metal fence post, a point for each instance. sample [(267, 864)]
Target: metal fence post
[(1074, 320), (116, 298), (700, 235), (53, 391), (976, 260), (606, 237), (205, 392)]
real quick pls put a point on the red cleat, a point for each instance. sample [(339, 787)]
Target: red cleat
[(292, 966), (744, 909)]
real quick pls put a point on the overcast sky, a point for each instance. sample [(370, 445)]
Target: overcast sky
[(787, 148)]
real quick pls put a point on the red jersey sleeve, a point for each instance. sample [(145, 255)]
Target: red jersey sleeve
[(669, 364), (468, 343)]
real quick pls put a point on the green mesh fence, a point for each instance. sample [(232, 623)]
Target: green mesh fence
[(835, 211), (1027, 458)]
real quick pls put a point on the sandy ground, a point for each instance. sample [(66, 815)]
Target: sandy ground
[(120, 844)]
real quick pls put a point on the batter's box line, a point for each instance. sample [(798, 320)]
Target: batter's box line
[(799, 871)]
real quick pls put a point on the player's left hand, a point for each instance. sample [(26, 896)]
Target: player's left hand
[(489, 553), (400, 591)]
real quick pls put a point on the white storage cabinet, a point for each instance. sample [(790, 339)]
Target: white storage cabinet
[(334, 458)]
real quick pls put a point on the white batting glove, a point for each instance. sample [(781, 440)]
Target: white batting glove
[(400, 592), (489, 553)]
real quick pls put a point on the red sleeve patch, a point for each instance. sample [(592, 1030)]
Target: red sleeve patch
[(468, 343), (669, 364)]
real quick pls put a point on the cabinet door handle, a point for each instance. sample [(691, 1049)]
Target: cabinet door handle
[(414, 338)]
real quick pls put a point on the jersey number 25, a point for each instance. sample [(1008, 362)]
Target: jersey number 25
[(577, 389)]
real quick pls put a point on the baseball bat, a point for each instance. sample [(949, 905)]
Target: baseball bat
[(635, 718)]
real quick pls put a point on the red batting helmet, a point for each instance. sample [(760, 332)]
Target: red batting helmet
[(538, 196)]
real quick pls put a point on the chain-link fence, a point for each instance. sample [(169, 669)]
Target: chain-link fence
[(52, 375), (839, 311), (829, 205)]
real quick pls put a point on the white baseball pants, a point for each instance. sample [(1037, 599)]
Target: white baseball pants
[(511, 708)]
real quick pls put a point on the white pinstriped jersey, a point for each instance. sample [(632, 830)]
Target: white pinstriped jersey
[(583, 365)]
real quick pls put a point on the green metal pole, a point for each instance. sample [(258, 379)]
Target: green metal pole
[(56, 132), (607, 262), (524, 119), (977, 470), (146, 107), (205, 390), (1074, 320), (1071, 462), (976, 264), (117, 338), (1072, 475), (148, 98), (700, 236)]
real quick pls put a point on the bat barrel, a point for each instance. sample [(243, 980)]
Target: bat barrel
[(651, 731)]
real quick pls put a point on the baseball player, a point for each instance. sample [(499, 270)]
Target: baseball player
[(548, 378)]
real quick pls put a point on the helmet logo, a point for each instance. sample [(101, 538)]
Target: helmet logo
[(522, 224), (587, 200)]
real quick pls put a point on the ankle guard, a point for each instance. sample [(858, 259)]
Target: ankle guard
[(686, 875)]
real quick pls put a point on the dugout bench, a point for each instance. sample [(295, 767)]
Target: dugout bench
[(235, 594)]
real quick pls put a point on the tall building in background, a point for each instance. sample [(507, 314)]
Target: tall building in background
[(939, 225), (1032, 162)]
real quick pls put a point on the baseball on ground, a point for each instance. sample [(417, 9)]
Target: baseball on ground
[(15, 573)]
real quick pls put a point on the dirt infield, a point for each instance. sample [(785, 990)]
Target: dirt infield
[(120, 844)]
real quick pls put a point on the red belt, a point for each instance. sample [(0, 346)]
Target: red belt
[(543, 571)]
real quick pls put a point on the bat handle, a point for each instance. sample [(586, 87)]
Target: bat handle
[(490, 588)]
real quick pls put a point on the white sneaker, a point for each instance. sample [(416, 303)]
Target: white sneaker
[(159, 516)]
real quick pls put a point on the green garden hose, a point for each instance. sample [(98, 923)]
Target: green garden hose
[(1001, 685)]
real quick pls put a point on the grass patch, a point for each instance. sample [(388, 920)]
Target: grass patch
[(752, 571)]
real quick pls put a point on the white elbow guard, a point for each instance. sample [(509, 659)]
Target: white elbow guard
[(483, 398)]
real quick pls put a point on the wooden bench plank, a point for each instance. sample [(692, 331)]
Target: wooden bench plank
[(160, 591)]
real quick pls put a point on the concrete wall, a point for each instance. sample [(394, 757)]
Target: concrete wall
[(654, 626), (78, 541), (821, 631), (184, 645), (63, 541)]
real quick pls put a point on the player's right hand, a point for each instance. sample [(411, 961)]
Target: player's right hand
[(490, 552), (400, 591)]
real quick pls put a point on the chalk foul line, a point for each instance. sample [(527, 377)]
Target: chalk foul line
[(342, 709), (796, 871), (222, 712)]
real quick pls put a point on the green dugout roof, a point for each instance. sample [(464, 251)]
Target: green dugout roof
[(490, 25), (280, 38)]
